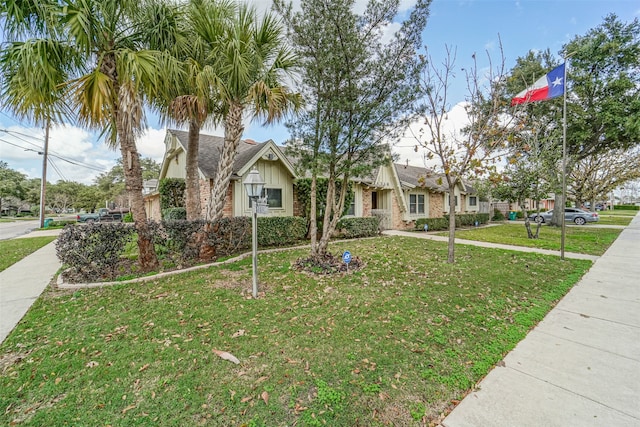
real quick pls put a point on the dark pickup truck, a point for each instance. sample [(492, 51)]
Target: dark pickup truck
[(103, 215)]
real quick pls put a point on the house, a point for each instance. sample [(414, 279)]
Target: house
[(267, 157), (401, 194), (398, 194)]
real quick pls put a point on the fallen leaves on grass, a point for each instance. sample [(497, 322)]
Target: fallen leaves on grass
[(226, 356)]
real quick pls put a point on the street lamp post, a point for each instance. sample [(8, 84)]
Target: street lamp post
[(253, 184)]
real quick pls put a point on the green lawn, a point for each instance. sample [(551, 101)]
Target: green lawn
[(392, 344), (14, 250), (606, 219), (585, 240)]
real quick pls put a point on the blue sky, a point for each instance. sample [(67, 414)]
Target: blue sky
[(469, 26)]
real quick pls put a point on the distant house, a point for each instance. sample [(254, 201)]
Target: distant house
[(397, 194)]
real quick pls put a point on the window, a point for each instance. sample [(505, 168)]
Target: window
[(473, 201), (416, 203), (352, 206), (273, 195), (456, 197)]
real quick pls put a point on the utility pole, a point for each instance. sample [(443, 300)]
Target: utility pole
[(43, 184)]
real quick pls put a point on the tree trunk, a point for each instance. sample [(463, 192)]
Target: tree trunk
[(192, 180), (558, 209), (147, 257), (313, 216), (233, 129), (323, 244), (452, 224)]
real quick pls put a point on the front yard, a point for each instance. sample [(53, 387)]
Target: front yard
[(397, 343), (585, 240)]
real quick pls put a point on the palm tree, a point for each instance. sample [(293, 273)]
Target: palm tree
[(108, 76), (188, 37), (251, 61)]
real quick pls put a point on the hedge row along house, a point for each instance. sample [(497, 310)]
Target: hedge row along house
[(398, 194)]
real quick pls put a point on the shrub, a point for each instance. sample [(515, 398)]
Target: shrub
[(434, 224), (497, 215), (463, 220), (626, 208), (93, 251), (230, 235), (172, 193), (350, 228), (174, 214), (180, 238), (281, 230), (61, 223), (128, 217)]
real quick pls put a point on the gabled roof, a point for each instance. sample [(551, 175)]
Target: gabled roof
[(416, 176), (210, 149)]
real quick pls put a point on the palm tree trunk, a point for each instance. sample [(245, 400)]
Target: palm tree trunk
[(192, 181), (133, 180), (233, 129)]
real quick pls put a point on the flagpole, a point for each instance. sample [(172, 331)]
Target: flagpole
[(564, 160)]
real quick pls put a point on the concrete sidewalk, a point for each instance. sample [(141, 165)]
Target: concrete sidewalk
[(581, 365), (421, 235), (23, 282)]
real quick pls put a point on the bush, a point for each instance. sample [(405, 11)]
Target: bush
[(172, 193), (434, 224), (350, 228), (462, 220), (62, 223), (626, 208), (174, 214), (281, 230), (497, 215), (180, 238), (93, 251), (230, 235), (128, 217)]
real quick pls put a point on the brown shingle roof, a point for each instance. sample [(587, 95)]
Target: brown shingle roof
[(419, 176), (211, 147)]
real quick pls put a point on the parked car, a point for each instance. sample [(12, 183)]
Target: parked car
[(576, 215), (103, 215)]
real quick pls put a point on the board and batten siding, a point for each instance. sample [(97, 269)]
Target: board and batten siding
[(275, 175), (177, 167)]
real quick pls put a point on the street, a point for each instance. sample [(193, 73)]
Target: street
[(9, 230)]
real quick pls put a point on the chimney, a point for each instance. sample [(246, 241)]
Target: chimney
[(250, 141)]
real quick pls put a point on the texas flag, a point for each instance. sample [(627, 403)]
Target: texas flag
[(547, 87)]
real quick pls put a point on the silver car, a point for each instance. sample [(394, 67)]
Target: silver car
[(578, 216)]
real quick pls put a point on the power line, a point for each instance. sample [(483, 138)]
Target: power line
[(51, 152), (76, 163), (19, 146), (57, 169)]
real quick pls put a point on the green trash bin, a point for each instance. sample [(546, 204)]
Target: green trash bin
[(513, 216), (47, 221)]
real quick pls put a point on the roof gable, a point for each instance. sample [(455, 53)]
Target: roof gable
[(248, 153)]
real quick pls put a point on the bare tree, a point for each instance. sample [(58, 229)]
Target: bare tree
[(594, 177), (474, 149)]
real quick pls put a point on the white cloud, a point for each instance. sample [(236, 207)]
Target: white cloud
[(409, 150), (151, 144)]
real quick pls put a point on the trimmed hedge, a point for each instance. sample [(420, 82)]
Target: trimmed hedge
[(281, 230), (174, 214), (626, 208), (93, 251), (350, 228), (462, 220)]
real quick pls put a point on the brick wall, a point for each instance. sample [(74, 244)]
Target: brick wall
[(228, 202), (436, 205), (366, 202), (397, 222)]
